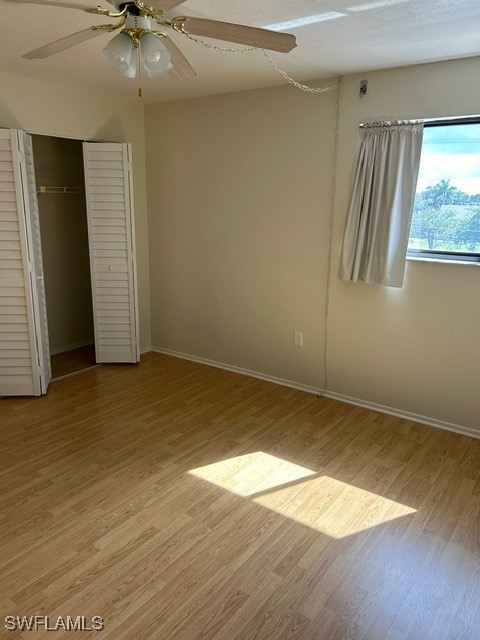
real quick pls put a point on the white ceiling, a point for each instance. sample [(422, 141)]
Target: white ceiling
[(365, 35)]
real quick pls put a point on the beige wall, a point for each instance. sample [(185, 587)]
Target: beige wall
[(63, 227), (239, 187), (73, 112), (239, 195)]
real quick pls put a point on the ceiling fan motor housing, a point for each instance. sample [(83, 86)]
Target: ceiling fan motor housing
[(132, 8)]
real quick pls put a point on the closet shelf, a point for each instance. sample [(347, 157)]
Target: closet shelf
[(44, 189)]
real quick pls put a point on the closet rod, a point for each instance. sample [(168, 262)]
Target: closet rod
[(44, 189)]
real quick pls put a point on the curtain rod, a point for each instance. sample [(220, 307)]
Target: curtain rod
[(388, 123), (428, 122)]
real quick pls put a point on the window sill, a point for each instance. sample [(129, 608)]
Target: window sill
[(465, 263)]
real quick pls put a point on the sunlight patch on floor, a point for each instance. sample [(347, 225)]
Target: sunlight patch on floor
[(333, 507), (252, 473), (320, 502)]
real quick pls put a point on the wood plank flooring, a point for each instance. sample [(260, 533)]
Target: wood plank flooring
[(181, 502)]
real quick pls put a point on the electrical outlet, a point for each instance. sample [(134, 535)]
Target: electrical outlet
[(298, 338)]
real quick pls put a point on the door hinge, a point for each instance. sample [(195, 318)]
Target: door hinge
[(130, 167), (21, 157)]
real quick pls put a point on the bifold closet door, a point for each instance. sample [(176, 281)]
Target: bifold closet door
[(108, 183), (24, 353)]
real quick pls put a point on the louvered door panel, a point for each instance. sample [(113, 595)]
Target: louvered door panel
[(40, 297), (19, 365), (112, 251)]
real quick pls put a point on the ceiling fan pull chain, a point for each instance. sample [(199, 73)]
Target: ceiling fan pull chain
[(292, 81), (298, 85), (215, 47), (139, 67)]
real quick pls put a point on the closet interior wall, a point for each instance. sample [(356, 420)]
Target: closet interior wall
[(64, 234)]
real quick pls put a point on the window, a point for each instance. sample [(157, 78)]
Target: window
[(446, 211)]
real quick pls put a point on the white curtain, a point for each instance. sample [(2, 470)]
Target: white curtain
[(381, 201)]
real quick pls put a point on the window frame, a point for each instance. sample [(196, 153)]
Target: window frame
[(437, 254)]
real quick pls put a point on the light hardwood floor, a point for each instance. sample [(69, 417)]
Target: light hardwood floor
[(181, 502)]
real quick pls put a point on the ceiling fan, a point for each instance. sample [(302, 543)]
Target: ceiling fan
[(158, 52)]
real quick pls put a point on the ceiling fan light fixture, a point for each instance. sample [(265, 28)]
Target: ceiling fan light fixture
[(152, 73), (155, 56), (119, 53)]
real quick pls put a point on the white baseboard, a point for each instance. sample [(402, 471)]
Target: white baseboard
[(241, 370), (145, 350), (70, 347), (398, 413)]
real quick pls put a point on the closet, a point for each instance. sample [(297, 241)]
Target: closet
[(67, 267), (60, 181)]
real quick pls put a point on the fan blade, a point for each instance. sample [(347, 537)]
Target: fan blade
[(181, 66), (63, 43), (52, 3), (251, 36), (163, 5)]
